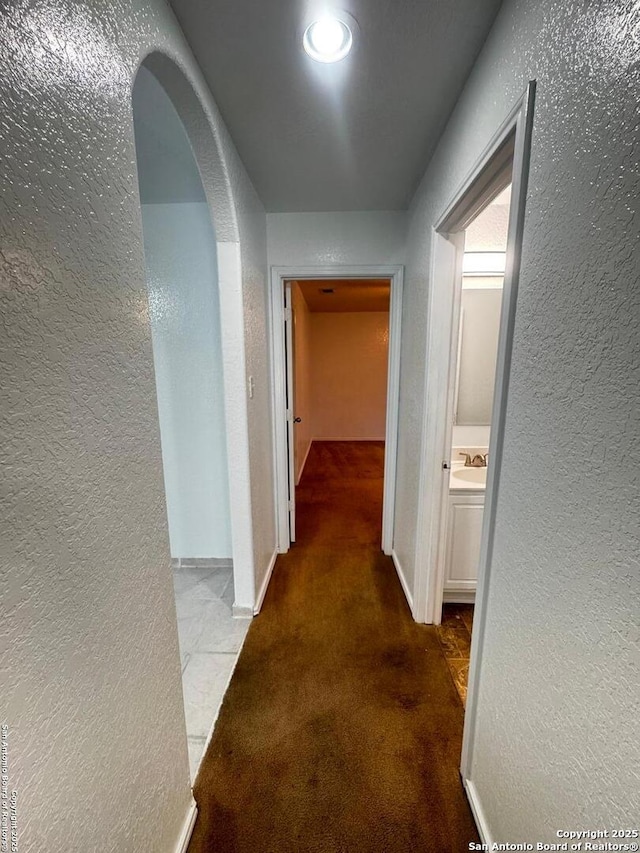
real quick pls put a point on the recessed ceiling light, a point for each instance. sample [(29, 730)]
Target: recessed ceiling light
[(327, 40)]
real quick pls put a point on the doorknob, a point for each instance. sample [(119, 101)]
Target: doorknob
[(297, 420)]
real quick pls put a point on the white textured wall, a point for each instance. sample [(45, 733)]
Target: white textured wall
[(475, 436), (90, 662), (253, 255), (320, 239), (185, 321), (167, 170), (184, 310), (557, 740), (302, 377), (349, 355)]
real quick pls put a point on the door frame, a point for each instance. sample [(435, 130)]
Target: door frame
[(279, 274), (510, 144), (290, 385)]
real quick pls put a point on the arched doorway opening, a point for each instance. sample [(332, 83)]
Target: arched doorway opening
[(186, 318)]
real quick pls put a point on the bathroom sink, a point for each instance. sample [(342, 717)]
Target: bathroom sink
[(469, 476)]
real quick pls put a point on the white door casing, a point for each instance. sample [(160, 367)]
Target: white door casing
[(290, 407)]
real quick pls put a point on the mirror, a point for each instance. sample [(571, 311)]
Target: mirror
[(483, 268), (477, 350)]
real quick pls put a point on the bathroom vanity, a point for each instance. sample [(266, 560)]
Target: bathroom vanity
[(465, 510)]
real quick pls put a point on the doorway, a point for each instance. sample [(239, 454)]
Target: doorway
[(337, 354), (505, 161), (331, 278), (476, 316)]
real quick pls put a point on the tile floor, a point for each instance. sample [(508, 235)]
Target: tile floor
[(210, 642), (454, 634)]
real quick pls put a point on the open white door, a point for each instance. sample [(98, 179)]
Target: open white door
[(291, 440)]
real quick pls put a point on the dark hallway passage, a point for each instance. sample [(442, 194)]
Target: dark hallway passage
[(341, 729)]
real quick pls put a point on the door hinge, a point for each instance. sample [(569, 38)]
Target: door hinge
[(289, 415), (289, 505), (287, 315)]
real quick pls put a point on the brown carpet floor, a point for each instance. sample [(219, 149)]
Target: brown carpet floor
[(341, 729)]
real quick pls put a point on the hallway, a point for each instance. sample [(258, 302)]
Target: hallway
[(341, 729)]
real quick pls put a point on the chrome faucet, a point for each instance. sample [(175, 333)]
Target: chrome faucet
[(478, 461)]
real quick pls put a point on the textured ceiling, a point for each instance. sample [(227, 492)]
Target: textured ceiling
[(348, 295), (356, 135), (488, 231)]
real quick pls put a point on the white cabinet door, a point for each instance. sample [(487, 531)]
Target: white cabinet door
[(464, 529)]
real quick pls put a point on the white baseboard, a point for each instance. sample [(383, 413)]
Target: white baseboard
[(187, 827), (459, 596), (265, 583), (304, 462), (478, 813), (201, 563), (402, 579), (240, 611)]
